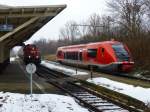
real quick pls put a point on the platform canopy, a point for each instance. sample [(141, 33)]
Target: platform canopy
[(19, 23)]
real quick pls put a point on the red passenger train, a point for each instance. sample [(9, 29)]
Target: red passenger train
[(108, 55)]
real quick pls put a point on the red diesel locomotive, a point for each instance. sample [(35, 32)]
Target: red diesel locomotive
[(31, 54), (107, 55)]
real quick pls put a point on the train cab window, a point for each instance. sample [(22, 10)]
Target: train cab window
[(121, 52), (92, 53)]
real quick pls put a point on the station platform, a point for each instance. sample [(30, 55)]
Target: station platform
[(15, 79)]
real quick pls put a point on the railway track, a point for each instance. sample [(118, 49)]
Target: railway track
[(89, 98), (133, 77), (125, 75)]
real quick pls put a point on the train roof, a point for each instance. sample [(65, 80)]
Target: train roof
[(104, 42), (89, 44), (73, 46)]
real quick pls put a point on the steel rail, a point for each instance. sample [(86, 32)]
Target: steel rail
[(125, 75), (84, 95)]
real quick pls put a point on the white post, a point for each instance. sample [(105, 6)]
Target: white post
[(31, 87), (31, 69)]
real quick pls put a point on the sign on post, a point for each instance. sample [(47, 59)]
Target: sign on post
[(31, 69), (6, 27)]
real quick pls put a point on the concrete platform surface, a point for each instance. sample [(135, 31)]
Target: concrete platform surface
[(15, 79)]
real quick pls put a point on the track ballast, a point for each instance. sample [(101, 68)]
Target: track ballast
[(85, 96)]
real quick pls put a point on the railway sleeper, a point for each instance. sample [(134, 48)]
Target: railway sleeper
[(99, 104), (87, 96), (85, 102), (81, 94), (92, 99), (113, 110), (94, 102), (71, 88), (83, 99)]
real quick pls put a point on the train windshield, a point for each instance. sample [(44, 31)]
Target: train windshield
[(121, 52)]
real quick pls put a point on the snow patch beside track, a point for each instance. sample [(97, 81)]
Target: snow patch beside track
[(11, 102), (140, 93), (12, 59), (53, 65)]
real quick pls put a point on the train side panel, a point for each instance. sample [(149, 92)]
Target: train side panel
[(108, 55)]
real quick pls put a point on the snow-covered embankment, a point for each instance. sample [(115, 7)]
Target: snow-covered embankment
[(140, 93), (11, 102)]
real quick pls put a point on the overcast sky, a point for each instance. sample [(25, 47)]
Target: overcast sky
[(77, 10)]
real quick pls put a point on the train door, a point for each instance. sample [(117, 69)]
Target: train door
[(65, 55), (60, 54), (80, 55), (101, 55), (84, 55)]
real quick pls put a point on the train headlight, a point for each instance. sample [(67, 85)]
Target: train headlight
[(37, 56), (29, 56)]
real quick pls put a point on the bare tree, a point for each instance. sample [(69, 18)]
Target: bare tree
[(42, 45), (147, 3), (129, 14), (100, 25), (83, 29), (70, 31), (94, 21), (108, 24)]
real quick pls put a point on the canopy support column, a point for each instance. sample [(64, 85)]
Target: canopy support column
[(4, 56)]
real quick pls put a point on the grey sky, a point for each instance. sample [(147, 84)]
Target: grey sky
[(77, 10)]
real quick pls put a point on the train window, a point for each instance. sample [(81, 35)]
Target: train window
[(59, 53), (70, 55), (103, 50), (121, 52), (73, 55), (92, 53), (80, 56), (65, 55), (76, 56)]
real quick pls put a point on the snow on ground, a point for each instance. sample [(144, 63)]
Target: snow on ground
[(11, 102), (61, 68), (139, 93), (12, 59)]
